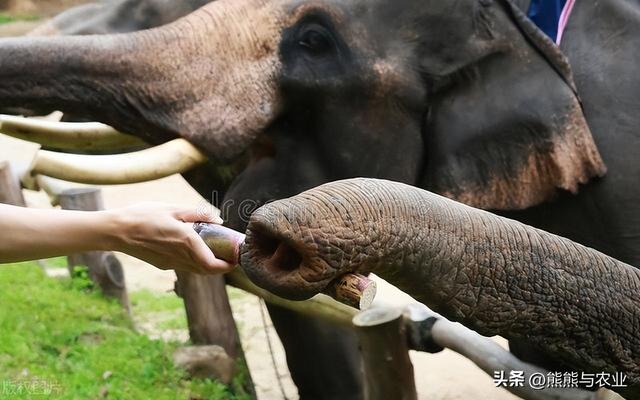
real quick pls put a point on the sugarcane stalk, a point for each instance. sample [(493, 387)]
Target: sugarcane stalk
[(354, 290)]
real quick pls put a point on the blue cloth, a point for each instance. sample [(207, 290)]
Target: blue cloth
[(546, 14)]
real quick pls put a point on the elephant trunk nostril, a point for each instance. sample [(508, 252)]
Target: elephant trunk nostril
[(275, 254), (264, 245), (286, 258)]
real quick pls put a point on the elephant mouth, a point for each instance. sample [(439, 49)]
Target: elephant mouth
[(276, 258)]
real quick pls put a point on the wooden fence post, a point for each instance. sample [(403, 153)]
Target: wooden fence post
[(208, 311), (387, 368), (10, 191), (104, 268), (209, 316)]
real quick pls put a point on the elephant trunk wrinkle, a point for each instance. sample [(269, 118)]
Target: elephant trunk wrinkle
[(493, 274)]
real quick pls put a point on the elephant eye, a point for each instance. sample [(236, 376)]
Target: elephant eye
[(316, 41)]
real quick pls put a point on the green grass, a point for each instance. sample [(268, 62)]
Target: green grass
[(146, 301), (166, 309), (59, 338), (6, 18), (58, 262)]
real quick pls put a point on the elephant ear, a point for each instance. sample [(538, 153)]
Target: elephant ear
[(507, 131)]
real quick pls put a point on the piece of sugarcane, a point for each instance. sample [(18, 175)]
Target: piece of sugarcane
[(351, 289)]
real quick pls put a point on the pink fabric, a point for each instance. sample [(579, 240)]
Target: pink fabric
[(564, 19)]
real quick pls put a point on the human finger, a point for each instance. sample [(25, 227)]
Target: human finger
[(199, 214)]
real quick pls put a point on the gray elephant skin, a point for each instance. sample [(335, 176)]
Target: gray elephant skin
[(491, 273), (466, 99)]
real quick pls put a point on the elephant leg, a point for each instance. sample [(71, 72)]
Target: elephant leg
[(323, 358)]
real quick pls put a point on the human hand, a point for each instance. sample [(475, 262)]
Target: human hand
[(163, 235)]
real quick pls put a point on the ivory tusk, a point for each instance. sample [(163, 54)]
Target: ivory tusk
[(54, 187), (55, 116), (157, 162), (67, 135)]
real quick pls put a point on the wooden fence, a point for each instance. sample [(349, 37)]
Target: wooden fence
[(386, 334)]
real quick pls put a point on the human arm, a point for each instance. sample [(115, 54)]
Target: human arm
[(159, 234)]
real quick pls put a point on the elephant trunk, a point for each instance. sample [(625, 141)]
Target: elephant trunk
[(85, 75), (209, 77), (496, 275)]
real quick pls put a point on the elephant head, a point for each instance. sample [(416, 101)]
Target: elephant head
[(464, 98)]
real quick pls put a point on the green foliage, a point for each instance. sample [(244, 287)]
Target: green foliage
[(57, 336), (241, 379), (165, 309), (80, 279), (146, 301)]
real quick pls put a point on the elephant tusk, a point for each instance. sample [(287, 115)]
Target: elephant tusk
[(67, 135), (156, 162), (54, 187)]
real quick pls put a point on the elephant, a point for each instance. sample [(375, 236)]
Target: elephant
[(467, 99), (491, 273)]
